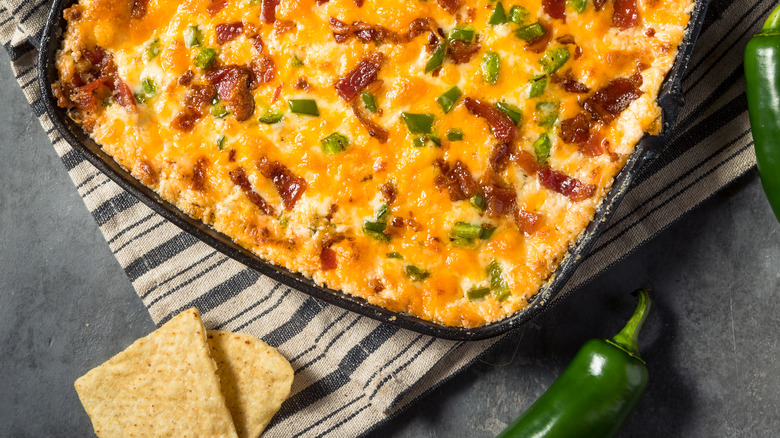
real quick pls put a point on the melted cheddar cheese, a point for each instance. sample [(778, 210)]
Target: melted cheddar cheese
[(451, 216)]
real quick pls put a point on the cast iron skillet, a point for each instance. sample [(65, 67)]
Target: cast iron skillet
[(670, 100)]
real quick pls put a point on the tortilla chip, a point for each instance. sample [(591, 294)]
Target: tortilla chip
[(255, 379), (165, 384)]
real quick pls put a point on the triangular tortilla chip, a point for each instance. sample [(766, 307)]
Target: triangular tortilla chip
[(255, 379), (164, 384)]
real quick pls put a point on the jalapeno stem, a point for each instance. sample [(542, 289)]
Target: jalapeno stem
[(628, 338), (772, 24)]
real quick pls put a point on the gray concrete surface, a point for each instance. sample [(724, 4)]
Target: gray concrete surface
[(711, 342)]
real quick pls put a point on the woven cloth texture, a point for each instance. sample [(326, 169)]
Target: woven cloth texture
[(353, 373)]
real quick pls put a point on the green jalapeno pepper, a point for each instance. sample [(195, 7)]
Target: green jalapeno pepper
[(762, 80), (596, 392)]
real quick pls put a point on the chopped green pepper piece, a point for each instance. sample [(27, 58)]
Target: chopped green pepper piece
[(497, 283), (108, 101), (418, 123), (531, 31), (221, 141), (514, 113), (542, 147), (449, 98), (205, 57), (192, 36), (490, 67), (154, 49), (578, 5), (271, 117), (383, 213), (464, 233), (368, 101), (304, 106), (376, 230), (419, 142), (477, 293), (462, 33), (435, 140), (518, 14), (486, 230), (296, 62), (395, 255), (498, 16), (219, 111), (148, 90), (478, 201), (538, 85), (455, 134), (416, 273), (437, 59), (554, 59), (548, 113), (334, 143)]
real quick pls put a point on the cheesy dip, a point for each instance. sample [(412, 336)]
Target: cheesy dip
[(437, 158)]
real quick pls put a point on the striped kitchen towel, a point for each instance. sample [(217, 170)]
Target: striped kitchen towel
[(353, 373)]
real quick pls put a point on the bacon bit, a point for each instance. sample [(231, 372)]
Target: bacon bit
[(577, 52), (526, 161), (397, 222), (359, 3), (558, 181), (199, 173), (539, 44), (186, 120), (501, 125), (566, 39), (232, 156), (268, 10), (63, 101), (572, 86), (376, 285), (322, 2), (146, 172), (123, 94), (595, 145), (388, 191), (460, 52), (499, 196), (527, 222), (228, 31), (232, 82), (625, 14), (239, 178), (374, 129), (575, 129), (281, 27), (499, 158), (457, 180), (84, 97), (277, 93), (328, 259), (598, 4), (199, 96), (139, 8), (650, 32), (413, 224), (302, 84), (607, 103), (215, 6), (263, 70), (186, 78), (258, 44), (359, 77), (289, 186), (450, 6), (555, 9), (374, 33)]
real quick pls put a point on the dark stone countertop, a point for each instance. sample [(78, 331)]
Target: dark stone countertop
[(711, 342)]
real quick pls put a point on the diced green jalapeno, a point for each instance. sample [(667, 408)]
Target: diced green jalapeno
[(538, 85), (518, 14), (437, 59), (497, 283), (154, 49), (296, 62), (334, 143), (531, 31), (368, 101), (514, 113), (542, 147), (435, 140), (419, 142), (416, 273), (462, 33), (464, 233), (477, 293), (205, 58), (271, 117), (578, 5), (192, 36), (478, 201), (304, 106), (449, 98), (554, 59), (376, 230), (394, 255), (455, 134), (148, 90), (221, 141), (490, 67), (547, 113), (418, 123), (219, 111), (383, 213), (498, 16), (485, 231)]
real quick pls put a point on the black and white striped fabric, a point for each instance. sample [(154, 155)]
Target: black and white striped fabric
[(353, 373)]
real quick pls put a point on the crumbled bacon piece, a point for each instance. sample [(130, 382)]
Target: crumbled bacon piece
[(373, 128), (123, 94), (359, 3), (388, 192), (194, 102), (228, 31), (539, 44), (258, 44), (302, 84), (239, 178), (575, 129), (186, 78), (598, 4), (460, 52), (558, 181), (138, 9), (215, 6), (281, 27), (457, 180), (594, 145), (499, 158), (502, 127), (577, 52), (526, 161), (186, 119), (607, 103), (566, 39), (232, 156), (450, 6), (573, 86), (527, 222), (268, 10), (232, 82), (263, 70), (146, 172), (359, 77), (366, 32), (289, 186), (500, 197), (625, 14), (322, 2), (555, 8), (84, 97), (328, 259), (199, 173)]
